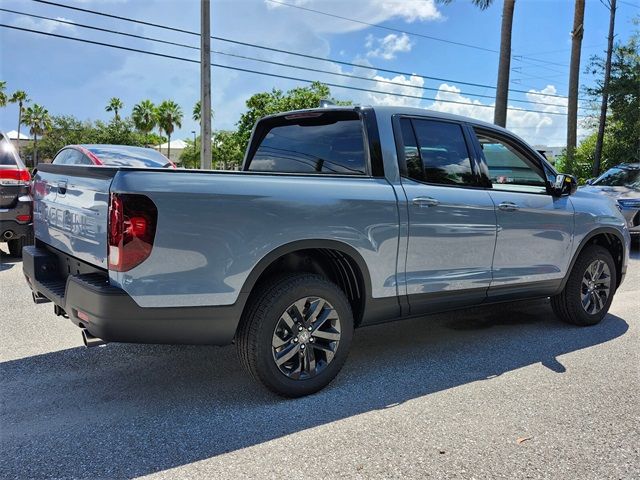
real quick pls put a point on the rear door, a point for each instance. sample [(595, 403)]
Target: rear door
[(535, 229), (71, 210), (452, 222)]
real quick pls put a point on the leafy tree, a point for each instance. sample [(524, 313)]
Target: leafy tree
[(115, 105), (190, 156), (169, 117), (65, 130), (144, 116), (20, 97), (275, 101), (3, 95), (196, 112), (38, 120), (226, 150)]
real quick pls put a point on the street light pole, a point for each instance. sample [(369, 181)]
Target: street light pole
[(205, 84)]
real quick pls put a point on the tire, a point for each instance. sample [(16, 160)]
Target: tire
[(271, 317), (15, 245), (568, 304)]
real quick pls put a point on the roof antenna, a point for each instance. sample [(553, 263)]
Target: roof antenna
[(326, 103)]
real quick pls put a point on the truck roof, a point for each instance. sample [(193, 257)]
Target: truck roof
[(389, 111)]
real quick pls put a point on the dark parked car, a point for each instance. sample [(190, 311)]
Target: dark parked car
[(16, 206), (112, 156)]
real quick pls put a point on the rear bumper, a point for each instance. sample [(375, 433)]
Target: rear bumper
[(10, 230), (111, 314)]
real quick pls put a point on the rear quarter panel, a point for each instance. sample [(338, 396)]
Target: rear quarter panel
[(213, 228)]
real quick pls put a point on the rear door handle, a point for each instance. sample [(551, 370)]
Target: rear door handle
[(508, 207), (425, 202)]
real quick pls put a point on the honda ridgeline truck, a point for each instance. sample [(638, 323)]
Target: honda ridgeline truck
[(342, 217)]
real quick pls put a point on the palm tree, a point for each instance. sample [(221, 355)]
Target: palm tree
[(574, 79), (504, 65), (144, 116), (20, 97), (38, 120), (115, 105), (196, 112), (169, 116), (3, 96)]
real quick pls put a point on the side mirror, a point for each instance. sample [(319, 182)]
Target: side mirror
[(590, 181), (564, 185)]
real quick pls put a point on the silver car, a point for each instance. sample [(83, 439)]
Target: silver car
[(621, 183)]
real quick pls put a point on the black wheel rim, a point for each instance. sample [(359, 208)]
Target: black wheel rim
[(595, 287), (306, 338)]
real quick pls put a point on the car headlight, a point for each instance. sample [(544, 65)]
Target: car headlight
[(629, 202)]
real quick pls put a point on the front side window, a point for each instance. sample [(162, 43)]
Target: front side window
[(508, 168), (313, 145), (437, 153)]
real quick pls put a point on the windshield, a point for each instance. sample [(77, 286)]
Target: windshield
[(619, 177)]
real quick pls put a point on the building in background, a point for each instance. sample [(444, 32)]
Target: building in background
[(177, 146)]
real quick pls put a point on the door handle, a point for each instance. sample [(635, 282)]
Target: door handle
[(62, 187), (425, 202), (508, 207)]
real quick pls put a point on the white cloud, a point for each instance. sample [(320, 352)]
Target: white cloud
[(388, 46), (368, 12), (47, 26), (406, 87)]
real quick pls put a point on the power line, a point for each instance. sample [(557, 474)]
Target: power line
[(287, 52), (270, 62), (382, 27), (245, 70)]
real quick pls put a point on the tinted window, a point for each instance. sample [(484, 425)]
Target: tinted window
[(620, 177), (124, 156), (442, 151), (508, 168), (312, 146), (61, 157), (7, 154)]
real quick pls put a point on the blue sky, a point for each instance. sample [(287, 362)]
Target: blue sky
[(78, 79)]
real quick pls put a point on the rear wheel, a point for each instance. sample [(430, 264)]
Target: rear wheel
[(295, 335), (589, 290), (15, 245)]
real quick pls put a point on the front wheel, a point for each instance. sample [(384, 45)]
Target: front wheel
[(588, 293), (295, 335)]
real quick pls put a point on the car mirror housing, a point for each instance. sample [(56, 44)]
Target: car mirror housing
[(564, 185), (590, 181)]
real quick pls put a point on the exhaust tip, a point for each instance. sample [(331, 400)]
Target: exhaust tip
[(8, 235), (91, 341)]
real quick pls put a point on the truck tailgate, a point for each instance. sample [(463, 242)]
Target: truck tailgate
[(71, 210)]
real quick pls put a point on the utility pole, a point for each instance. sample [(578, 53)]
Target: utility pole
[(605, 90), (502, 87), (574, 83), (205, 84)]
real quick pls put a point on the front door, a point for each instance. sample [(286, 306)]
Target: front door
[(535, 229)]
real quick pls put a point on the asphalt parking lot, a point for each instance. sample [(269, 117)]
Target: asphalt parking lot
[(500, 392)]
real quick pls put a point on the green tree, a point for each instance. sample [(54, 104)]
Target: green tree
[(275, 101), (144, 116), (65, 130), (190, 156), (196, 112), (169, 117), (227, 150), (38, 120), (20, 97), (3, 95), (115, 105)]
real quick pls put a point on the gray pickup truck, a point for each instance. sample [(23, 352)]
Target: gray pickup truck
[(342, 217)]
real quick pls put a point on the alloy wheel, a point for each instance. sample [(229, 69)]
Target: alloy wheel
[(595, 287)]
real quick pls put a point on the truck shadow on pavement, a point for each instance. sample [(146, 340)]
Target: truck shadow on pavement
[(122, 411)]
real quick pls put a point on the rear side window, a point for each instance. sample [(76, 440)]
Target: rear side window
[(436, 152), (324, 144), (124, 156)]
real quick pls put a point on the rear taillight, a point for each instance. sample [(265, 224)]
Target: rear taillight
[(131, 231), (23, 218), (15, 174)]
